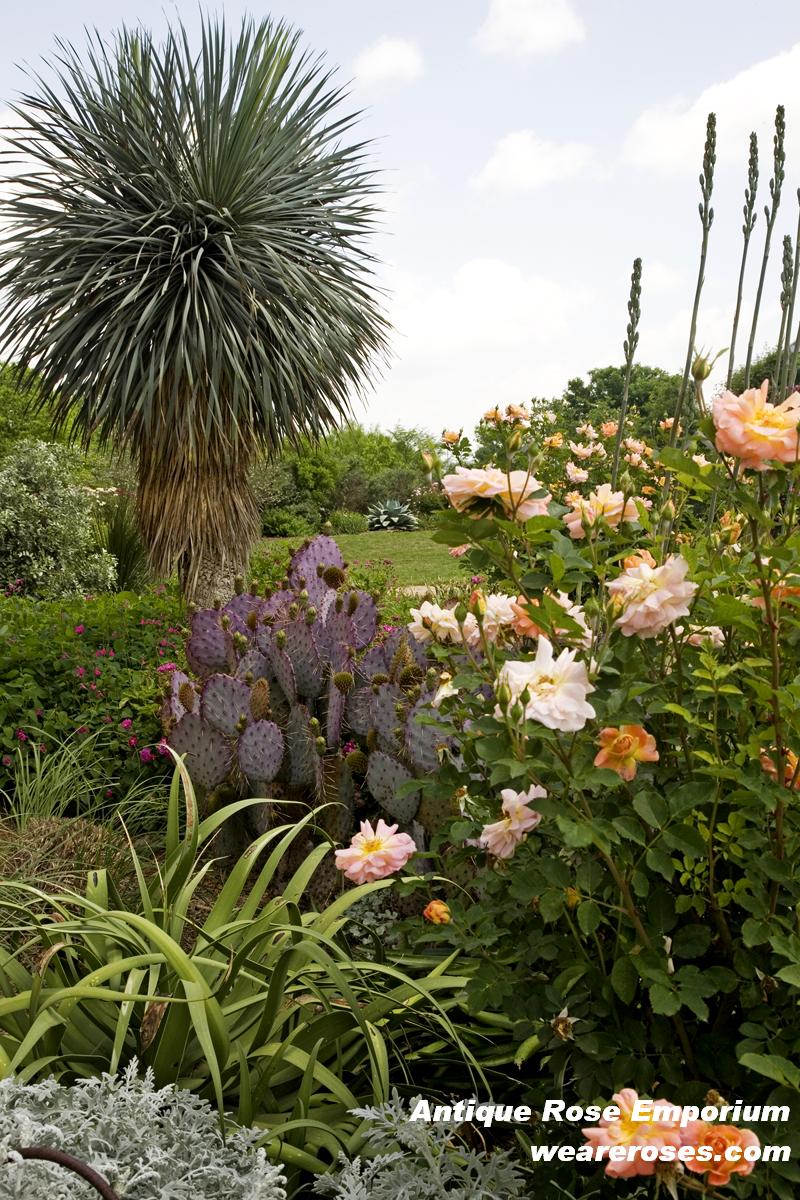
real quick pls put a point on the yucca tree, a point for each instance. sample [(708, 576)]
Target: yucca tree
[(185, 259)]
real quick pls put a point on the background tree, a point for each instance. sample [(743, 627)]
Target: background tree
[(653, 393), (185, 263)]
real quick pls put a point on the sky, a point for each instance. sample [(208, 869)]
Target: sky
[(529, 151)]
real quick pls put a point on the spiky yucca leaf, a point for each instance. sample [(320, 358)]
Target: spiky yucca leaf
[(184, 263)]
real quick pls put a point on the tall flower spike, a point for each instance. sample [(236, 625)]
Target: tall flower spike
[(771, 213), (706, 220), (788, 367), (787, 290), (749, 212), (629, 348)]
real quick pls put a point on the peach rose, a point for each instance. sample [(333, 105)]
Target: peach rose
[(450, 437), (375, 853), (720, 1140), (651, 598), (470, 484), (609, 429), (457, 551), (555, 441), (555, 688), (639, 556), (791, 774), (494, 416), (625, 1131), (576, 474), (602, 505), (581, 451), (517, 496), (754, 431), (623, 749), (502, 837), (517, 412)]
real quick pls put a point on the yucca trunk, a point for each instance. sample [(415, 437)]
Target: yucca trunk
[(197, 514)]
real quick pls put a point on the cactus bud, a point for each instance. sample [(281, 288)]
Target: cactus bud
[(379, 679), (398, 732), (251, 620), (320, 745), (414, 693), (400, 709), (320, 569), (241, 724), (311, 615), (269, 592), (372, 739), (187, 695), (259, 700), (268, 620), (357, 761), (432, 675), (285, 585), (240, 642), (280, 638), (294, 609), (225, 621), (303, 595), (216, 604), (238, 584), (334, 576), (409, 675), (248, 678), (343, 680), (314, 725), (301, 583), (352, 603), (338, 604)]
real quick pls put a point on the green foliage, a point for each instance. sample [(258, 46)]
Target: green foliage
[(146, 1143), (342, 521), (46, 526), (391, 515), (257, 1008), (653, 393), (420, 1161), (74, 667), (286, 522)]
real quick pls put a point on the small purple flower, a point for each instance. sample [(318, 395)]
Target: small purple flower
[(80, 672), (166, 667), (79, 629), (6, 760), (132, 741), (21, 735), (126, 724), (163, 748), (146, 755)]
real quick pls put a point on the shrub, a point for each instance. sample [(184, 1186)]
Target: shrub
[(46, 536), (285, 522), (420, 1161), (71, 668), (342, 521), (147, 1143), (392, 515)]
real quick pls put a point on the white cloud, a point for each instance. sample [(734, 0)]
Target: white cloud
[(488, 333), (389, 62), (669, 137), (519, 28), (523, 161)]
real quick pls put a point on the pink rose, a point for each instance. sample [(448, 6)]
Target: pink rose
[(626, 1130), (375, 853), (502, 837), (651, 598)]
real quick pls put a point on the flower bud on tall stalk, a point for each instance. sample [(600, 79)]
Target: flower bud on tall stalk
[(771, 213), (750, 215), (629, 347)]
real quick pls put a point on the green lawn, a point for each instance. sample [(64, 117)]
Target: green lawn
[(416, 558)]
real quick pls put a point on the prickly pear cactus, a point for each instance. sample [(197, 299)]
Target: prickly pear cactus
[(282, 679)]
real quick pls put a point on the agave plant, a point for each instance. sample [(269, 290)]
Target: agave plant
[(183, 259), (391, 514), (257, 1006)]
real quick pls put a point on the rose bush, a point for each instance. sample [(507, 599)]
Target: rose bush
[(626, 766)]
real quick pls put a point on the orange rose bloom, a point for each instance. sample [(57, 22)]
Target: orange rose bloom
[(754, 431), (494, 415), (791, 775), (623, 749), (636, 559), (554, 441), (523, 625), (450, 437), (437, 912), (778, 593), (609, 429), (718, 1138)]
